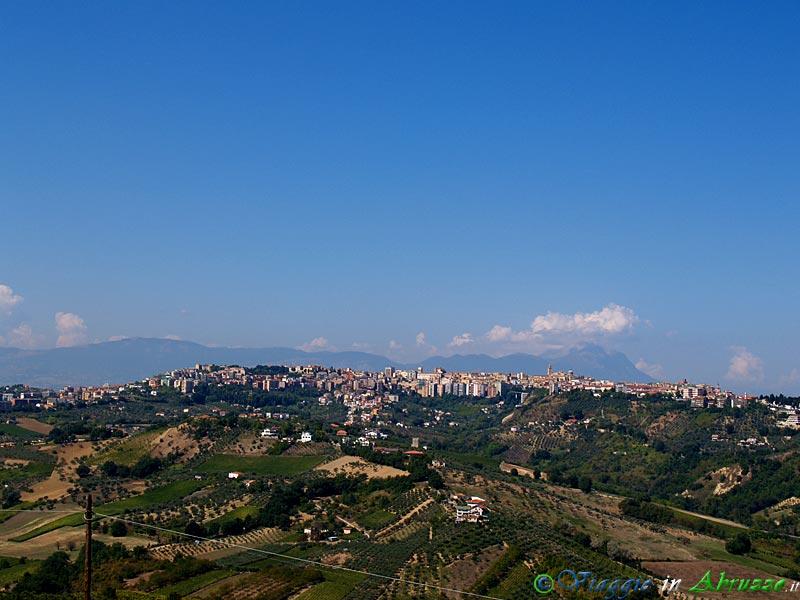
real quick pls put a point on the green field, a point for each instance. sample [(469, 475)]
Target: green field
[(236, 513), (33, 470), (260, 465), (186, 587), (15, 572), (19, 432), (337, 585), (376, 519), (519, 577), (172, 491)]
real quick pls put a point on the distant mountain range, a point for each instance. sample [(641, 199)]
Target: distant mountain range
[(136, 358)]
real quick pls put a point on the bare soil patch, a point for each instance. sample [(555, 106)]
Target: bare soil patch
[(23, 522), (249, 444), (354, 465), (58, 483), (176, 440), (339, 558), (463, 573), (34, 425)]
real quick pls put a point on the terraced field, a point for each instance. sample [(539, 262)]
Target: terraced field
[(247, 586), (198, 582), (252, 539)]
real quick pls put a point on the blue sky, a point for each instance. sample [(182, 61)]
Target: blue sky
[(515, 177)]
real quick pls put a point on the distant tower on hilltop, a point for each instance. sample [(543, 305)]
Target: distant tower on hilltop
[(550, 369)]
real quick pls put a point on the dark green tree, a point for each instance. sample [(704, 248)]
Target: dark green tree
[(740, 544), (119, 529)]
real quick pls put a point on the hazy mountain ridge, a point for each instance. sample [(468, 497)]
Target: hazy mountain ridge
[(136, 358)]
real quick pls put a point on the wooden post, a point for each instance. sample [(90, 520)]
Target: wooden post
[(87, 591)]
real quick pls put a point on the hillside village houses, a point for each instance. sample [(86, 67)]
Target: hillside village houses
[(366, 393)]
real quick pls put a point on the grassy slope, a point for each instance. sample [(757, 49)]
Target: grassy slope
[(129, 450), (260, 465)]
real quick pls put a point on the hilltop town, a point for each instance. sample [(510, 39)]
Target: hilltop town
[(365, 393)]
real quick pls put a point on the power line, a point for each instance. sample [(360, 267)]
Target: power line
[(303, 560)]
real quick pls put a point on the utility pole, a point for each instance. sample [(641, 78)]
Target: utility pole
[(87, 583)]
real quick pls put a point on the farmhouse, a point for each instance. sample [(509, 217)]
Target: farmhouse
[(469, 513), (470, 509)]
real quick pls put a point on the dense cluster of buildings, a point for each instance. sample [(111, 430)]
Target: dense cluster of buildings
[(365, 393)]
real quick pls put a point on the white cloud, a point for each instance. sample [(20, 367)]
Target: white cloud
[(745, 366), (173, 337), (421, 338), (71, 330), (363, 346), (652, 369), (394, 345), (117, 338), (21, 336), (8, 299), (499, 333), (555, 330), (317, 345), (611, 319), (461, 340)]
